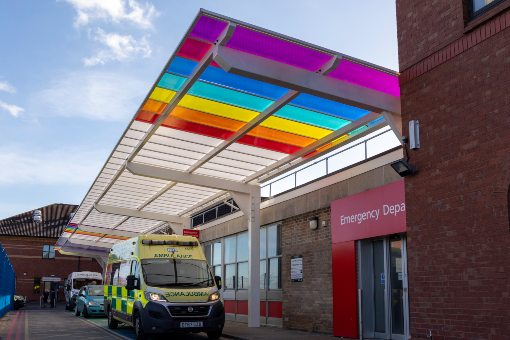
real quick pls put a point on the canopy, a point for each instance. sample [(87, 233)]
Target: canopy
[(235, 105)]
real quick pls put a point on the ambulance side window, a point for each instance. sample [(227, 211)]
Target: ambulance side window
[(123, 273), (135, 269), (114, 279)]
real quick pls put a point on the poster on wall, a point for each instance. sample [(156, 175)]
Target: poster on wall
[(296, 268)]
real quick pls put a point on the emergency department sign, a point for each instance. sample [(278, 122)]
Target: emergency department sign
[(380, 211)]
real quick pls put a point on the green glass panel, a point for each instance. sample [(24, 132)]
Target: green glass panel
[(310, 117), (223, 95)]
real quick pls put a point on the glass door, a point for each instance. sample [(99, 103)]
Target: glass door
[(383, 288)]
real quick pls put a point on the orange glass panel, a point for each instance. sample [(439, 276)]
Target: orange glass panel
[(153, 106), (206, 119), (280, 136)]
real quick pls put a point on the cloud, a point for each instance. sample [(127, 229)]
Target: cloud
[(6, 87), (117, 11), (68, 167), (118, 47), (105, 96), (12, 109)]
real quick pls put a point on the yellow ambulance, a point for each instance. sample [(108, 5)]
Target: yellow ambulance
[(161, 284)]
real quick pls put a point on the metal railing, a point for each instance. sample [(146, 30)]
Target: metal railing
[(346, 157)]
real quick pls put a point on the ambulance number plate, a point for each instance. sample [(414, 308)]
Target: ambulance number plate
[(192, 324)]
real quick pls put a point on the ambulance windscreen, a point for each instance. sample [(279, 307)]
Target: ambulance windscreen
[(176, 273)]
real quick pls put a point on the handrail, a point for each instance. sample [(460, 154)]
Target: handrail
[(328, 169)]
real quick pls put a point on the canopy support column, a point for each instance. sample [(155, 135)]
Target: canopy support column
[(250, 205)]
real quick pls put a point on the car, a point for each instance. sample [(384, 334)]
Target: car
[(90, 301), (19, 301)]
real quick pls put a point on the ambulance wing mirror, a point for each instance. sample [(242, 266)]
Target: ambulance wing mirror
[(217, 280), (132, 282)]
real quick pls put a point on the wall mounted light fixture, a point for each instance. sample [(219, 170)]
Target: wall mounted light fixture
[(403, 167), (313, 222)]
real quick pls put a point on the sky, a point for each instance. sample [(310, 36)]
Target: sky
[(73, 73)]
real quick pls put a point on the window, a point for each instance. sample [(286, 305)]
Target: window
[(480, 6), (236, 269), (48, 252)]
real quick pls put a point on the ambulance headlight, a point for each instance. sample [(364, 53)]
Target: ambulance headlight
[(214, 296), (155, 297)]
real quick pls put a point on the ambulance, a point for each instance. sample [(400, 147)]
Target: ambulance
[(161, 284)]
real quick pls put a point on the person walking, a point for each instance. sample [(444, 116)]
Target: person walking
[(46, 294)]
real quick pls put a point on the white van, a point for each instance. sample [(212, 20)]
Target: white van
[(75, 281)]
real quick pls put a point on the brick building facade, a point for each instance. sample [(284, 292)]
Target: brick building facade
[(28, 246), (306, 305), (455, 78)]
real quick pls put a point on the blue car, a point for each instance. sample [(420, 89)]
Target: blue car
[(90, 301)]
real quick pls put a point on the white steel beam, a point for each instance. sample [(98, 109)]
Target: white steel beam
[(187, 178), (252, 66), (277, 105), (250, 205), (98, 244), (108, 209), (107, 231), (315, 145), (395, 122)]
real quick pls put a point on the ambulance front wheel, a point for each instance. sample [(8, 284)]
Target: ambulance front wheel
[(137, 324), (112, 323)]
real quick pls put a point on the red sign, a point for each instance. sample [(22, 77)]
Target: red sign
[(376, 212), (191, 232)]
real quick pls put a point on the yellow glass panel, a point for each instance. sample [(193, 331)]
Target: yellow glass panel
[(162, 95), (218, 109), (295, 127), (333, 143)]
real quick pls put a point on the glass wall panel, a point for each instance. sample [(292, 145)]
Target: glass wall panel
[(230, 249), (263, 274), (208, 251), (274, 273), (273, 240), (216, 253), (242, 247), (243, 280), (230, 276), (262, 243)]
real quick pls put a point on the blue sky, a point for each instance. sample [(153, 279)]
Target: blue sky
[(73, 73)]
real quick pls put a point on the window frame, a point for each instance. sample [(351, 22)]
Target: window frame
[(48, 254), (476, 13)]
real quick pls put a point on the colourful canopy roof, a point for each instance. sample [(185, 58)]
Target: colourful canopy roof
[(235, 103)]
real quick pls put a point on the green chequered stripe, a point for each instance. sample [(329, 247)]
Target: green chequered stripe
[(110, 291), (114, 303), (119, 291), (131, 295), (123, 306)]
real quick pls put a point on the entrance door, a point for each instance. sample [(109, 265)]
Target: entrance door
[(383, 288)]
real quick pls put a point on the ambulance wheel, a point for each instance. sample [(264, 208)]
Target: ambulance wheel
[(112, 323), (76, 311), (214, 334), (137, 324)]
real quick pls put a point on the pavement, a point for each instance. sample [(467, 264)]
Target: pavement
[(34, 323)]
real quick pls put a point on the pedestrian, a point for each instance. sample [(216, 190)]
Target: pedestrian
[(52, 299), (46, 294)]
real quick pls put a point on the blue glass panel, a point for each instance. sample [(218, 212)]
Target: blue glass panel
[(182, 66), (224, 95), (216, 75), (171, 82), (328, 106), (310, 117)]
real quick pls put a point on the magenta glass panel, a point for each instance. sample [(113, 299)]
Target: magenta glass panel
[(367, 77), (208, 28), (280, 50)]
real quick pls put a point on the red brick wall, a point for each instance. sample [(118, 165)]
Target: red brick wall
[(457, 205), (26, 257), (308, 305)]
